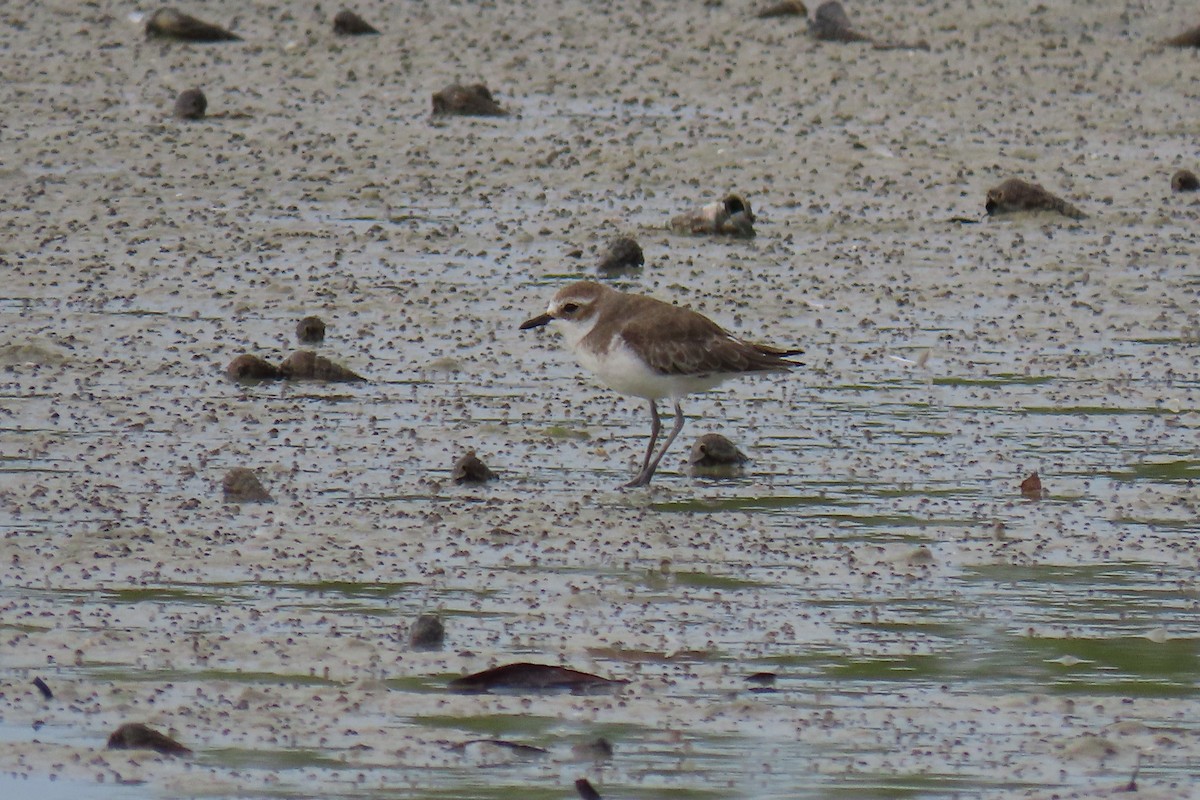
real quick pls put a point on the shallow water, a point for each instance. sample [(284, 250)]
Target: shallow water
[(933, 632)]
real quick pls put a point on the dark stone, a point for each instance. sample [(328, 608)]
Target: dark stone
[(191, 104), (524, 676), (622, 255), (1015, 195), (241, 485), (252, 368), (136, 736), (310, 330), (468, 101), (469, 469), (428, 633), (1185, 181), (305, 365), (167, 23), (347, 23)]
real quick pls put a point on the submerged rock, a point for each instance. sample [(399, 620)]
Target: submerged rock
[(136, 736), (1189, 38), (248, 367), (1015, 195), (467, 101), (712, 450), (428, 633), (623, 254), (310, 330), (830, 24), (1031, 487), (167, 23), (469, 469), (531, 677), (788, 8), (1185, 181), (241, 485), (305, 365), (347, 23), (503, 744), (730, 216), (586, 790), (191, 104)]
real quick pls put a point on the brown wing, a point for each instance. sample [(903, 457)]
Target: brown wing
[(678, 341)]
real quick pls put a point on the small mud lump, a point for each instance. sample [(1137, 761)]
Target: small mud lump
[(241, 485), (347, 23), (248, 367), (469, 469), (191, 104), (136, 736), (305, 365), (1015, 195), (310, 330), (1185, 181), (466, 101), (428, 633), (622, 255), (167, 23)]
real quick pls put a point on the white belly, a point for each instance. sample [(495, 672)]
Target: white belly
[(620, 369)]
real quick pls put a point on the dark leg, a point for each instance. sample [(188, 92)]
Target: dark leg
[(643, 477), (647, 472)]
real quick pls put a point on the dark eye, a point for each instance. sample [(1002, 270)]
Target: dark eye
[(570, 308)]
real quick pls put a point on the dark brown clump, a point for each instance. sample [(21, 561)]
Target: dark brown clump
[(1015, 194), (136, 736), (531, 677), (310, 330), (1031, 488), (1189, 38), (241, 485), (428, 633), (466, 101), (788, 8), (1185, 181), (252, 368), (469, 469), (191, 104), (305, 365), (622, 255), (347, 23), (43, 688), (167, 23), (830, 24), (714, 450), (586, 790)]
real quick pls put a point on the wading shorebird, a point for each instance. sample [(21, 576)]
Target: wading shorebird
[(646, 348)]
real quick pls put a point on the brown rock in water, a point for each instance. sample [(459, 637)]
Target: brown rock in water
[(730, 216), (347, 23), (305, 365), (586, 790), (241, 485), (191, 104), (714, 450), (252, 368), (469, 469), (524, 676), (788, 8), (1031, 487), (167, 23), (830, 24), (1015, 194), (1185, 181), (310, 330), (622, 255), (1189, 38), (428, 633), (467, 101), (136, 736)]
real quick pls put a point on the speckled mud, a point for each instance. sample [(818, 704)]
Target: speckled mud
[(934, 633)]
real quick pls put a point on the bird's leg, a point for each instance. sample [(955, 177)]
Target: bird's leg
[(647, 472), (643, 476)]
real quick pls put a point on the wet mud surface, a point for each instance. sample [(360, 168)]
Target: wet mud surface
[(933, 632)]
